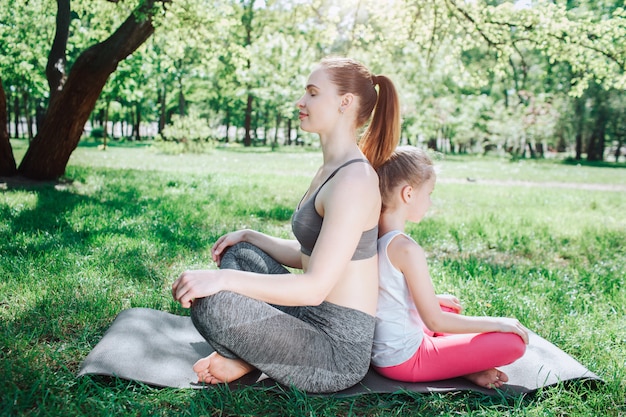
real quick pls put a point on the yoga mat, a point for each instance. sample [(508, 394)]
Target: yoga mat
[(160, 348)]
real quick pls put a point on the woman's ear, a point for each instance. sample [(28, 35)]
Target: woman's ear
[(346, 100)]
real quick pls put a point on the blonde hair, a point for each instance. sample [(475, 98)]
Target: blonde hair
[(382, 135), (406, 164)]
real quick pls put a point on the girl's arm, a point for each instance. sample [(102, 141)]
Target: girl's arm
[(410, 259), (348, 203), (284, 251), (449, 301)]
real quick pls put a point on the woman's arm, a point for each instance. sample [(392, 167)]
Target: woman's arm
[(349, 202), (284, 251), (410, 258)]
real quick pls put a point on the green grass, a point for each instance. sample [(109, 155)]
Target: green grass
[(518, 241)]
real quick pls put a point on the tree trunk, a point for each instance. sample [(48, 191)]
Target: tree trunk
[(181, 99), (278, 120), (28, 115), (595, 148), (162, 110), (247, 141), (55, 68), (288, 133), (246, 20), (16, 114), (533, 155), (40, 113), (105, 124), (227, 121), (579, 112), (540, 149), (137, 122), (7, 160), (69, 109), (561, 144)]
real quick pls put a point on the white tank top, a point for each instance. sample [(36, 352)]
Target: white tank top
[(399, 328)]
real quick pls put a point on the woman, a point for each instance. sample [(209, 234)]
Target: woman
[(312, 330)]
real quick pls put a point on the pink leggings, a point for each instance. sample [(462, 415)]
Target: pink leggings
[(453, 355)]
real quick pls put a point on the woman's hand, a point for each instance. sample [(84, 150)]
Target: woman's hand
[(450, 301), (510, 325), (224, 242), (195, 284)]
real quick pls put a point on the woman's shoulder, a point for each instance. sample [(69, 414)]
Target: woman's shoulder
[(357, 174), (356, 181)]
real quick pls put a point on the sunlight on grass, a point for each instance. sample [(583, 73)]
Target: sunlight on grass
[(480, 168)]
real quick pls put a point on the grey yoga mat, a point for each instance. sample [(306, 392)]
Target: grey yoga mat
[(159, 349)]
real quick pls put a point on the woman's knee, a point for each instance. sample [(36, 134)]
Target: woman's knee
[(244, 256), (236, 256), (215, 308)]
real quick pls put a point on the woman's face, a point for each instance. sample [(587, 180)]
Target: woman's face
[(319, 106)]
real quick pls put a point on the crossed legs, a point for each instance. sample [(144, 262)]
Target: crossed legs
[(322, 348), (473, 356)]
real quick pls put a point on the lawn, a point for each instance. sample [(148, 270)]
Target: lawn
[(542, 241)]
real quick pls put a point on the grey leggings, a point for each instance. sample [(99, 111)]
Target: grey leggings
[(323, 348)]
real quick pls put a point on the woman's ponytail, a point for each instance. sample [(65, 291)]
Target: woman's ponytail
[(382, 135)]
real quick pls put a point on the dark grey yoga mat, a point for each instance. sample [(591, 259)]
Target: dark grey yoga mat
[(159, 349)]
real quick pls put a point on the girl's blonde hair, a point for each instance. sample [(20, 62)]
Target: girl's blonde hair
[(382, 135), (406, 164)]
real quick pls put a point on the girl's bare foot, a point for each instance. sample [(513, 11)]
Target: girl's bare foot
[(491, 378), (215, 369)]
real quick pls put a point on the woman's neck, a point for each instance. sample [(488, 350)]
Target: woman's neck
[(339, 146), (338, 150)]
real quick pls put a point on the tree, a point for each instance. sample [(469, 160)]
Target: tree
[(7, 160), (76, 94), (584, 40), (23, 52)]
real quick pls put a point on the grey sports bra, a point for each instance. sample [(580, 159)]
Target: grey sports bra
[(306, 224)]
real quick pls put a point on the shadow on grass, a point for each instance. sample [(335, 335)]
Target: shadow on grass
[(122, 227), (594, 164)]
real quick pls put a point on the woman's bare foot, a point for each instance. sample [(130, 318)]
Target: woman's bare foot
[(491, 378), (215, 369)]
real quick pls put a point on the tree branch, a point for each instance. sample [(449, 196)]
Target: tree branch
[(473, 21), (55, 69)]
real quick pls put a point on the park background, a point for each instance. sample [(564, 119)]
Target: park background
[(133, 133), (523, 78)]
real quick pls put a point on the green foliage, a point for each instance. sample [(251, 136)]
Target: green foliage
[(538, 240), (472, 75), (97, 133), (191, 132)]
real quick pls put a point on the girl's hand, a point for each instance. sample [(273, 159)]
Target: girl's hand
[(224, 243), (510, 325), (195, 284), (450, 301)]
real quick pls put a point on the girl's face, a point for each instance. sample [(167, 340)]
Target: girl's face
[(319, 106), (420, 201)]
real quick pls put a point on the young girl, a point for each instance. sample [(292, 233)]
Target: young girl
[(420, 336), (312, 330)]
